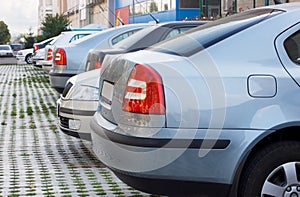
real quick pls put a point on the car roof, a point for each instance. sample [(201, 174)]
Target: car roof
[(108, 31), (6, 45), (284, 6), (174, 23)]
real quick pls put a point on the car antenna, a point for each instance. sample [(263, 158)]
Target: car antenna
[(113, 14), (155, 19)]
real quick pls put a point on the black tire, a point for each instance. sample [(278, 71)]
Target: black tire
[(28, 58), (270, 165)]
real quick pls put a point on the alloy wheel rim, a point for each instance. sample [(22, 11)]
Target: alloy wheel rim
[(283, 181)]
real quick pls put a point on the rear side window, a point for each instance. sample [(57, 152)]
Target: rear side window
[(121, 37), (291, 46), (207, 35), (76, 37), (177, 31)]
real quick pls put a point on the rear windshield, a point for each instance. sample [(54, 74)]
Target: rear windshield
[(206, 35), (16, 47)]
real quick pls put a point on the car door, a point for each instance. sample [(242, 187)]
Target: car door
[(288, 49)]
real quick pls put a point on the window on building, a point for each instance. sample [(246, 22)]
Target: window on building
[(150, 6), (189, 4), (211, 8), (48, 2)]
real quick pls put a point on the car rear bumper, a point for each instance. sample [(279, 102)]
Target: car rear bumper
[(195, 159), (59, 80), (46, 65)]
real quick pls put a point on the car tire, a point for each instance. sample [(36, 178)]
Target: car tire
[(28, 58), (272, 171)]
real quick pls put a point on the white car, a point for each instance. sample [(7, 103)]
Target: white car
[(37, 57), (78, 103), (44, 58), (25, 55), (6, 51)]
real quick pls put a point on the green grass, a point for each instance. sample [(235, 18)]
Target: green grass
[(29, 111)]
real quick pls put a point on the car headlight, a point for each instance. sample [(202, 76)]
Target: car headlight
[(87, 93)]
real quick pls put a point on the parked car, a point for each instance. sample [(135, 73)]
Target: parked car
[(78, 103), (79, 100), (6, 51), (39, 51), (68, 58), (25, 55), (143, 39), (212, 112), (63, 39), (38, 56), (16, 48)]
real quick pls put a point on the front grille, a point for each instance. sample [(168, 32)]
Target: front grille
[(64, 122), (67, 88)]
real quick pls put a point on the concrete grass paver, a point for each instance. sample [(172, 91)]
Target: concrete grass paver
[(36, 159)]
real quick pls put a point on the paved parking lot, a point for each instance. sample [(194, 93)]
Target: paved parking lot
[(36, 159), (8, 60)]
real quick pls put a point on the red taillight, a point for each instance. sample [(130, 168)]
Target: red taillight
[(36, 47), (98, 65), (49, 55), (144, 92), (60, 57)]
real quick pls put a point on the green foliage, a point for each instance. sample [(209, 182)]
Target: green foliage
[(153, 7), (4, 33), (29, 42), (53, 26)]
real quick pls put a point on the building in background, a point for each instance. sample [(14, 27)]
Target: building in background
[(80, 12), (116, 12), (85, 12), (47, 7), (135, 11)]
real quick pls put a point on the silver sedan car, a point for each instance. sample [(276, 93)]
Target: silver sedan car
[(213, 112), (69, 58)]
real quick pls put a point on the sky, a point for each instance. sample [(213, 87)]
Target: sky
[(19, 15)]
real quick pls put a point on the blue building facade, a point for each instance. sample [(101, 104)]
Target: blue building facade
[(137, 11)]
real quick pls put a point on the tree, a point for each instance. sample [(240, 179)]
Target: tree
[(4, 33), (153, 7), (29, 41), (53, 26)]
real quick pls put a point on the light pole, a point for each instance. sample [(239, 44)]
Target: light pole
[(133, 11)]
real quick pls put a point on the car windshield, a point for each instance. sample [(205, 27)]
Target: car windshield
[(207, 35), (4, 48), (130, 41)]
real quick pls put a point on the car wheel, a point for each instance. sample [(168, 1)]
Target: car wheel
[(28, 59), (273, 171)]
